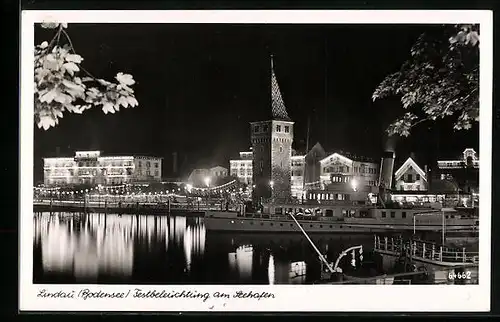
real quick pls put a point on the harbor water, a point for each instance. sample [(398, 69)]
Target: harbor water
[(146, 249)]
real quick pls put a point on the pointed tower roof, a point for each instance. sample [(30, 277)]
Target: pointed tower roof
[(278, 106)]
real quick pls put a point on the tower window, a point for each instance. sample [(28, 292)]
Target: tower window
[(281, 149), (264, 128), (278, 128), (256, 129), (287, 129)]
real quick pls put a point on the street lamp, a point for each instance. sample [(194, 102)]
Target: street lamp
[(207, 183), (354, 184)]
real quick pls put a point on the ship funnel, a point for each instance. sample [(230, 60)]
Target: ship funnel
[(386, 170)]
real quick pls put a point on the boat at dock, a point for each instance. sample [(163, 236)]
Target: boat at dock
[(341, 218)]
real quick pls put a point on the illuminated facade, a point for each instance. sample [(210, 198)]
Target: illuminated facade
[(297, 175), (242, 168), (198, 177), (337, 169), (469, 158), (89, 167), (464, 171), (410, 177)]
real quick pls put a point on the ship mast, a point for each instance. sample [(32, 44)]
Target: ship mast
[(305, 159)]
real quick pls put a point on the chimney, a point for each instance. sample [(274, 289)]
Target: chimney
[(174, 163), (386, 170)]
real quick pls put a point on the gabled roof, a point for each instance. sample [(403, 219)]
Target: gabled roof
[(409, 163), (336, 155)]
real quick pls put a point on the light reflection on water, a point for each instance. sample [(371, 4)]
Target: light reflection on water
[(98, 248)]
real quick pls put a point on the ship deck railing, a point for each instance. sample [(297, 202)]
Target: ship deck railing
[(425, 250)]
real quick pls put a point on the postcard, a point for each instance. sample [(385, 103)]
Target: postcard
[(263, 161)]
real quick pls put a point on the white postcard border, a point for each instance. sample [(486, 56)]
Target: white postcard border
[(320, 298)]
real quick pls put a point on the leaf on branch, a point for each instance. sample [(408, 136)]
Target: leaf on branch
[(49, 25), (108, 107), (472, 38), (63, 98), (132, 101), (71, 68), (122, 101), (46, 122), (74, 58), (92, 93), (49, 96), (103, 82), (125, 79)]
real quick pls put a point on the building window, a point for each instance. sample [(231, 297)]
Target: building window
[(403, 214), (393, 214), (156, 164), (417, 176), (281, 149), (287, 129), (256, 129), (278, 128), (410, 178), (157, 173), (383, 214)]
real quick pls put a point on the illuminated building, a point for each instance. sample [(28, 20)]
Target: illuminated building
[(89, 167), (272, 149), (344, 179), (198, 177), (454, 182), (469, 158), (297, 175), (410, 177), (242, 168)]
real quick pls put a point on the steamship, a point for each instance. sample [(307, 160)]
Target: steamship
[(343, 208)]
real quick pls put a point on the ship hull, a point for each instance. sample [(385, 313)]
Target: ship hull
[(245, 224)]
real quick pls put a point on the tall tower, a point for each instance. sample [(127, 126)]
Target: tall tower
[(272, 149)]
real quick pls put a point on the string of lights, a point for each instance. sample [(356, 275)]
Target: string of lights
[(125, 189)]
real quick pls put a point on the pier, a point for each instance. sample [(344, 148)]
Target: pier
[(426, 251), (448, 265), (126, 207)]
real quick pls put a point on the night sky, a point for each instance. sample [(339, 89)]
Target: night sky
[(199, 86)]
